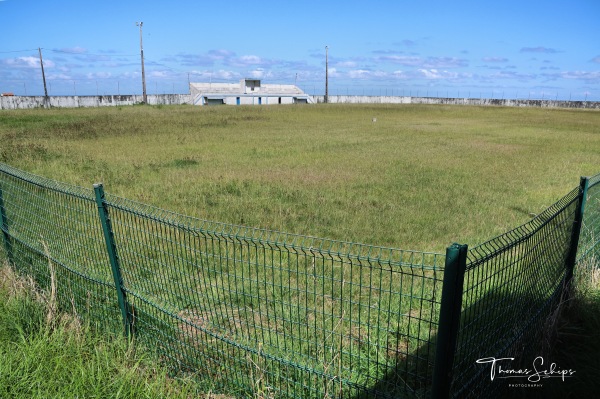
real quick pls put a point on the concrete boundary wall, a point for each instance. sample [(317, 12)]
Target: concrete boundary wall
[(457, 101), (28, 102)]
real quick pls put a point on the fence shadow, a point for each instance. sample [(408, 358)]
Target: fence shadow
[(500, 324)]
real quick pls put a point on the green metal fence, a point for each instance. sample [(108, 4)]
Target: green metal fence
[(512, 284), (253, 311), (589, 243), (249, 310)]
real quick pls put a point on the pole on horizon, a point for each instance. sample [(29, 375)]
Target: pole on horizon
[(43, 74), (144, 96), (326, 74)]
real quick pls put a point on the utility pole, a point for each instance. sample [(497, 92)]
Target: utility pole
[(43, 74), (144, 97), (326, 74)]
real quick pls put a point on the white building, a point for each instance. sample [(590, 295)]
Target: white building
[(247, 92)]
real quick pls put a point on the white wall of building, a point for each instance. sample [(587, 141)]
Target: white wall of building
[(27, 102), (456, 101)]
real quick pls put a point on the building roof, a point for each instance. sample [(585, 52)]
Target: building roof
[(245, 87)]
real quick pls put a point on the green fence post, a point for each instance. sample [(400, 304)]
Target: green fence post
[(449, 320), (4, 227), (112, 254), (577, 223)]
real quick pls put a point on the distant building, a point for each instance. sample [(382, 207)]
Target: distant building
[(247, 92)]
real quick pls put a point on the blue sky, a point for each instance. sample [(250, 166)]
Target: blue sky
[(504, 49)]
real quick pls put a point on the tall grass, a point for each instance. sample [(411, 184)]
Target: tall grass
[(46, 354), (420, 177), (576, 341)]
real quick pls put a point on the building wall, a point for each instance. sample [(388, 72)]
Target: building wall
[(456, 101), (27, 102), (248, 100)]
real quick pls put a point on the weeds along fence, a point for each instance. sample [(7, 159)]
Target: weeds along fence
[(254, 312)]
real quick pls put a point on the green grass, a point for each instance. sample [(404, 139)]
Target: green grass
[(56, 357), (576, 343), (421, 177)]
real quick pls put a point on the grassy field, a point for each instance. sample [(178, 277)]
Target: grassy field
[(46, 354), (420, 177)]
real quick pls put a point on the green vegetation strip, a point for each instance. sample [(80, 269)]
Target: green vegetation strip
[(48, 354), (418, 177), (421, 177)]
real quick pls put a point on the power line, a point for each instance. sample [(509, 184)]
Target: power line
[(98, 55), (70, 52), (17, 51)]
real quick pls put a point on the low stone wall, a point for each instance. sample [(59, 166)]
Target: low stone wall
[(27, 102), (457, 101)]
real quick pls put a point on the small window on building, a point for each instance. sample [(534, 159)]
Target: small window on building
[(215, 101)]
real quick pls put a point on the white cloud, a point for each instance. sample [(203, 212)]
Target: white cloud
[(58, 76), (99, 75), (27, 62), (494, 59), (593, 76), (512, 75), (365, 74), (430, 62), (400, 75), (358, 74), (73, 50), (346, 64), (214, 75), (249, 60), (402, 60), (539, 49), (220, 54), (431, 73), (210, 58), (437, 74), (225, 75), (159, 74), (258, 73), (407, 43), (445, 62)]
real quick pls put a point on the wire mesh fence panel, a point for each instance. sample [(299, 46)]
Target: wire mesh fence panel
[(512, 285), (253, 312), (259, 311), (52, 232), (589, 242)]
